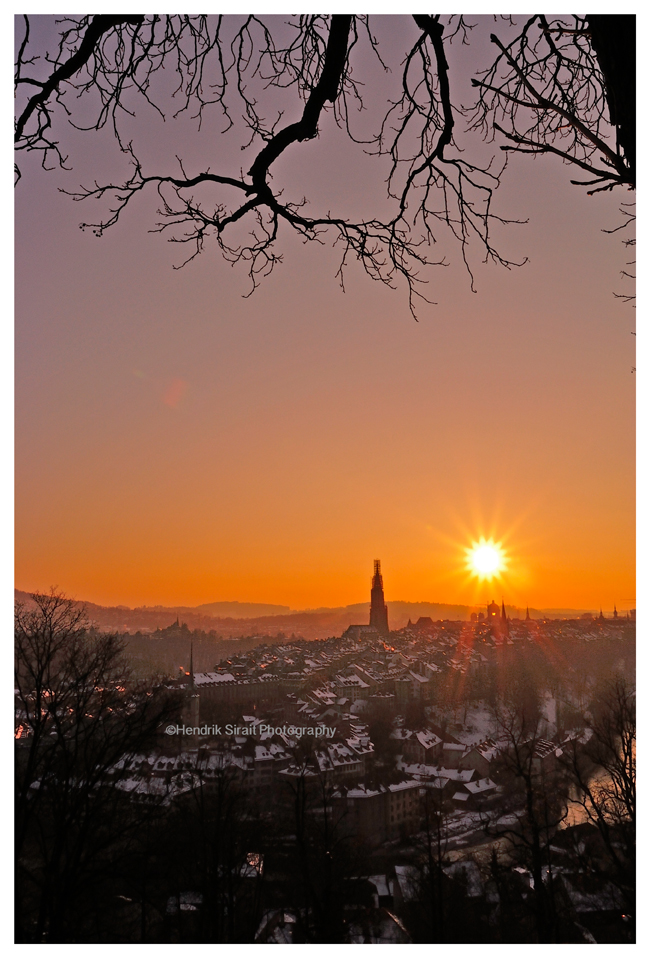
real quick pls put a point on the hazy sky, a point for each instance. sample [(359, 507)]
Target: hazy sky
[(177, 443)]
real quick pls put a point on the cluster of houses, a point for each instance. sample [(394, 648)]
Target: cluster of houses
[(335, 684), (340, 671), (409, 664), (424, 759), (395, 905)]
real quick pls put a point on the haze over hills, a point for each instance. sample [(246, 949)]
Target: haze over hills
[(234, 619), (240, 610)]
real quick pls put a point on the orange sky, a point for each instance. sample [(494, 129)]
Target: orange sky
[(178, 444)]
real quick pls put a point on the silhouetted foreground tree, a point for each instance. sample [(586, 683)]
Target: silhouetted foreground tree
[(544, 784), (323, 857), (213, 843), (604, 772), (562, 85), (431, 858), (537, 793), (78, 717)]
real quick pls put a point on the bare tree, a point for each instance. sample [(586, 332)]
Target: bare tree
[(324, 855), (533, 780), (78, 715), (563, 86), (566, 86), (217, 828), (433, 858), (604, 772)]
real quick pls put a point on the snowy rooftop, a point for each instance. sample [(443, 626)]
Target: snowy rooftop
[(481, 785), (213, 678)]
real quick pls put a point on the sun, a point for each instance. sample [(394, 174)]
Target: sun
[(486, 559)]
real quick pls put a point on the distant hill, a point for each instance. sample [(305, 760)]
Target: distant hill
[(241, 610), (235, 619)]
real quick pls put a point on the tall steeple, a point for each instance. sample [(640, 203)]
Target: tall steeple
[(505, 628), (378, 610), (191, 664), (527, 614)]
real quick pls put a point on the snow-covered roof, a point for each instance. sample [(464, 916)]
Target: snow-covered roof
[(381, 884), (606, 898), (481, 785), (362, 792), (407, 879), (213, 678), (403, 786), (428, 739)]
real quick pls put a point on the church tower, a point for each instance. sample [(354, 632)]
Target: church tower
[(505, 628), (493, 612), (378, 610)]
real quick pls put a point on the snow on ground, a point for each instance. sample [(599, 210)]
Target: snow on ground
[(473, 726)]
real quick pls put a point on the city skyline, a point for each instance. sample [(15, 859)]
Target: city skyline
[(204, 447)]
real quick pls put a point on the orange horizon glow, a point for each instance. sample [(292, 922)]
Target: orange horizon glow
[(469, 575), (179, 444), (428, 564)]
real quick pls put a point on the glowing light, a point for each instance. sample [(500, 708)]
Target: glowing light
[(486, 559)]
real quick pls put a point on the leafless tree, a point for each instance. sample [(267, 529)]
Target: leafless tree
[(216, 826), (325, 855), (563, 86), (535, 788), (604, 772), (566, 86), (78, 714), (432, 859)]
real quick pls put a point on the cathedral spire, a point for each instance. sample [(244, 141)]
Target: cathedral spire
[(527, 614), (378, 610)]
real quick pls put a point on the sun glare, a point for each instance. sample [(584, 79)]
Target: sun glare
[(486, 559)]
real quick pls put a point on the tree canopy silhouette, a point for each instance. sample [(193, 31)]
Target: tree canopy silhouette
[(80, 718), (559, 85)]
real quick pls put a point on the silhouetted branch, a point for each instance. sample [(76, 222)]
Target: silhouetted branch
[(550, 95), (546, 93)]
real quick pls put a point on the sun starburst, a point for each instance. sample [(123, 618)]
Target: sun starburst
[(486, 559)]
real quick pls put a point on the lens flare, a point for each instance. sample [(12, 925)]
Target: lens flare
[(486, 559)]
